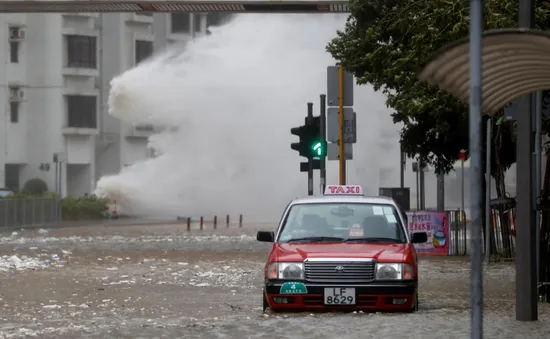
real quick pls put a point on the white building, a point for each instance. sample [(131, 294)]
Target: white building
[(54, 82)]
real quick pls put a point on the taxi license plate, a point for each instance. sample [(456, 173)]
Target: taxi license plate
[(339, 296)]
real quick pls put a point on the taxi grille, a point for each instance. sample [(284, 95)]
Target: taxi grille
[(340, 271)]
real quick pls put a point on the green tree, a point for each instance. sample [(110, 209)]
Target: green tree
[(383, 44)]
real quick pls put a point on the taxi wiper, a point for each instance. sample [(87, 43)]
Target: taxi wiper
[(374, 239), (305, 239)]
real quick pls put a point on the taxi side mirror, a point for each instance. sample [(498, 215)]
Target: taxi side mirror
[(265, 236), (419, 237)]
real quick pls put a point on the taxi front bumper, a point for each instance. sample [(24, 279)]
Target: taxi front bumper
[(387, 296)]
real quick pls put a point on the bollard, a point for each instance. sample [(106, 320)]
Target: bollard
[(227, 220), (240, 220), (188, 224), (202, 223), (215, 221)]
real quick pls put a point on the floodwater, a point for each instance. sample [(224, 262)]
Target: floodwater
[(163, 282)]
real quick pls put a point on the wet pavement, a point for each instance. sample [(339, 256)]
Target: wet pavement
[(164, 282)]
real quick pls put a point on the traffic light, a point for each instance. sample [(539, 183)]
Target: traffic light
[(316, 145), (311, 144)]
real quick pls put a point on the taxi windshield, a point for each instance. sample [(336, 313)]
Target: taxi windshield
[(346, 222)]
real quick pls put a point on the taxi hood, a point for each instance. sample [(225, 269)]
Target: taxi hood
[(379, 251)]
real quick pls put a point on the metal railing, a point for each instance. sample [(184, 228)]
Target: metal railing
[(502, 236), (503, 240), (458, 233), (28, 212)]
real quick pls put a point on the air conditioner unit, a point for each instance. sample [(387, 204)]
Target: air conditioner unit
[(16, 94), (17, 33)]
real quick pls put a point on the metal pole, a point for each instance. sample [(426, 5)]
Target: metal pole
[(422, 185), (323, 165), (488, 191), (476, 286), (341, 158), (440, 192), (417, 190), (526, 258), (59, 209), (57, 193), (309, 160), (538, 169), (403, 165), (462, 186), (56, 178)]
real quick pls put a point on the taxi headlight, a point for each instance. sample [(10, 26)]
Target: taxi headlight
[(286, 271), (291, 270), (393, 271)]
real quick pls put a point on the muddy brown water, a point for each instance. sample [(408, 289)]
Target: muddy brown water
[(165, 282)]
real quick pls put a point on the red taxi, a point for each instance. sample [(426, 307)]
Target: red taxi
[(342, 251)]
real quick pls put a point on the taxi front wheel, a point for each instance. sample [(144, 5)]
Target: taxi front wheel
[(415, 306), (265, 306)]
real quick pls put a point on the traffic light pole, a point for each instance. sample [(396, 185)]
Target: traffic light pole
[(341, 156), (312, 145), (309, 159), (323, 164)]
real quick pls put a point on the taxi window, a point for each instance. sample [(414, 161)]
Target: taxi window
[(342, 221)]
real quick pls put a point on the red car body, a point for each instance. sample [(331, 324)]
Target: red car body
[(357, 265), (371, 296)]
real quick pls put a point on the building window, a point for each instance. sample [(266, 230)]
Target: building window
[(14, 52), (144, 49), (81, 51), (197, 23), (181, 22), (11, 177), (16, 94), (82, 111), (14, 111), (16, 35)]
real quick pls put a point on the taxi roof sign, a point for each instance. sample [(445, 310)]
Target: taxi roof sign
[(343, 190)]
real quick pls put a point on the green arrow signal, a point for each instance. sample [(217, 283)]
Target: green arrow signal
[(318, 147)]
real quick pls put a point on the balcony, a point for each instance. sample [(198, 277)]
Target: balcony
[(75, 71), (141, 131), (67, 130), (141, 17)]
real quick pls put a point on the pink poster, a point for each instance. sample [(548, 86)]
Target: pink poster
[(436, 226)]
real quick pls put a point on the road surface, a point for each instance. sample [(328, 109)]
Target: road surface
[(163, 282)]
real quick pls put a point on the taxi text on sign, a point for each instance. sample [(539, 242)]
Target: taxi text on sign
[(343, 190)]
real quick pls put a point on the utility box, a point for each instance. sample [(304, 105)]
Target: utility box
[(401, 195)]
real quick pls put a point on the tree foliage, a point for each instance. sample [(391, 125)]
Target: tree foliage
[(35, 186), (385, 41), (83, 208)]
